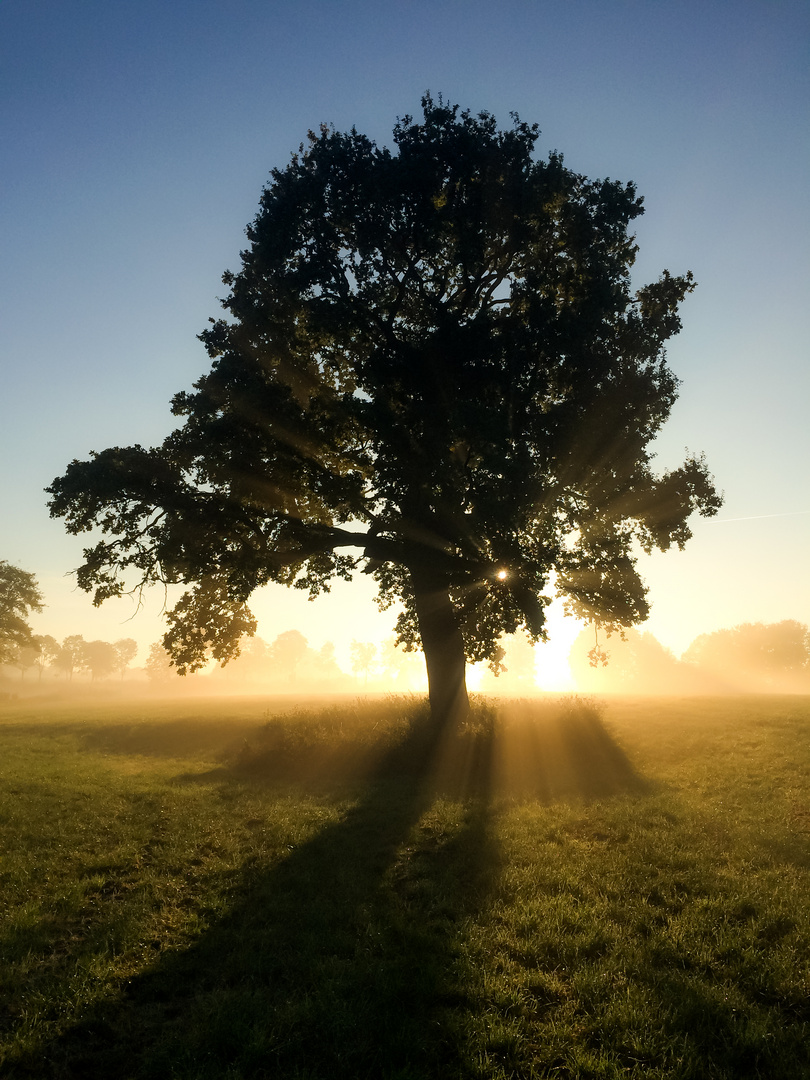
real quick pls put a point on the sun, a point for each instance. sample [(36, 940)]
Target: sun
[(553, 672), (501, 575)]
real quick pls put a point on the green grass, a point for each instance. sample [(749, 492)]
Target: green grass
[(564, 889)]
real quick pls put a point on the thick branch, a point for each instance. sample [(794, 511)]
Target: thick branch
[(409, 553)]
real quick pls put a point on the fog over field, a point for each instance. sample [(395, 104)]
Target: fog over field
[(750, 658)]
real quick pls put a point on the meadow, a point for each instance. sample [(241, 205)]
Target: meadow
[(565, 888)]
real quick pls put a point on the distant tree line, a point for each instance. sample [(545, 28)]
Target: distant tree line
[(751, 657), (290, 663), (747, 657), (98, 659)]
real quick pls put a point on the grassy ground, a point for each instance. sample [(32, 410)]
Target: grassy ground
[(209, 890)]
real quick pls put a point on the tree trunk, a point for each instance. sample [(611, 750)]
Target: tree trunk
[(443, 647)]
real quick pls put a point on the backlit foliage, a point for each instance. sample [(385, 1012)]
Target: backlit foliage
[(432, 354)]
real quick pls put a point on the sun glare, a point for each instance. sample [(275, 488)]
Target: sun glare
[(501, 575), (552, 670)]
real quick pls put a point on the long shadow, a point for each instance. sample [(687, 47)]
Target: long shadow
[(341, 960), (153, 738), (335, 962), (560, 753)]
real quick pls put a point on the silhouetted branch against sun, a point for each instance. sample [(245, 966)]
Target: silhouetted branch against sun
[(431, 354)]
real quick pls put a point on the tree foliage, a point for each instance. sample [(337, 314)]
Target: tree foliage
[(288, 651), (19, 596), (432, 355)]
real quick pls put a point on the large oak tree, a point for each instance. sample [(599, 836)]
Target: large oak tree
[(433, 364)]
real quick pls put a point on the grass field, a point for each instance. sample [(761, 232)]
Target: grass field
[(564, 889)]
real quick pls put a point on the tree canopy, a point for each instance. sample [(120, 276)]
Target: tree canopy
[(434, 356)]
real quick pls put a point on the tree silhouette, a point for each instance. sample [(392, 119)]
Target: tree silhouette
[(25, 657), (251, 664), (99, 658), (363, 654), (70, 655), (19, 596), (48, 651), (432, 356), (126, 649), (158, 666), (287, 652)]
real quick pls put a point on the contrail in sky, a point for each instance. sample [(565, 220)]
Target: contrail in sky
[(760, 517)]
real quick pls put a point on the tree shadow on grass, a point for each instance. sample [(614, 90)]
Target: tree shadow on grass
[(341, 961), (559, 753)]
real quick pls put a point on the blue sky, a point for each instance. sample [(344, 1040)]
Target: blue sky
[(137, 137)]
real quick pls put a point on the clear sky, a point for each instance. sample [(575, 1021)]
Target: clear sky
[(136, 138)]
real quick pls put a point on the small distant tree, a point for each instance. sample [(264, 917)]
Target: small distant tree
[(287, 652), (126, 649), (326, 655), (158, 664), (99, 658), (325, 667), (19, 596), (251, 665), (48, 651), (434, 357), (363, 654), (25, 657), (401, 665), (70, 654)]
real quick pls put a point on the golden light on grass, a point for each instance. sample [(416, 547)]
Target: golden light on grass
[(556, 859), (553, 749)]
